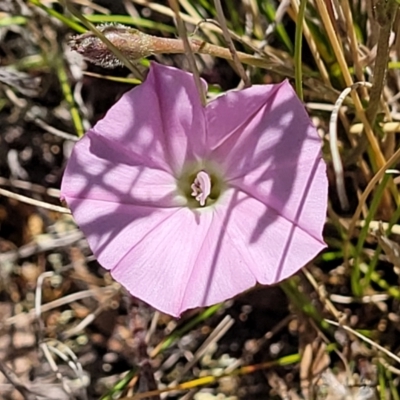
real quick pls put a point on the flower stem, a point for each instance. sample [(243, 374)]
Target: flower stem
[(297, 49), (134, 44)]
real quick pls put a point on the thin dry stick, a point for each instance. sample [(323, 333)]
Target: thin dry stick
[(188, 7), (375, 298), (378, 225), (67, 355), (136, 44), (229, 42), (253, 18), (38, 291), (333, 142), (16, 382), (351, 34), (282, 9), (386, 12), (38, 300), (61, 302), (153, 327), (35, 247), (93, 6), (50, 129), (54, 368), (33, 187), (214, 337), (130, 9), (388, 366), (233, 35), (365, 339), (164, 10), (33, 202), (321, 291), (387, 127), (188, 51), (75, 330), (392, 160)]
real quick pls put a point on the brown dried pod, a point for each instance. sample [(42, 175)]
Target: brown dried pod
[(129, 41)]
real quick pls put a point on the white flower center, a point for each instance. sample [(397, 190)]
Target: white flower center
[(201, 187)]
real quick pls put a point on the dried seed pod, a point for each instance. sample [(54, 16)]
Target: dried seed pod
[(129, 41)]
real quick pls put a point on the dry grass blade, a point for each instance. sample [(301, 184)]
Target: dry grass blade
[(34, 202), (334, 145)]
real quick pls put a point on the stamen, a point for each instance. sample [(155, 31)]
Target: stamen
[(201, 187)]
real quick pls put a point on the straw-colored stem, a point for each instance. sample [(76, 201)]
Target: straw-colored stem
[(229, 42), (349, 82), (188, 51)]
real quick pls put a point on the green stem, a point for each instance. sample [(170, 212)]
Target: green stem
[(69, 98), (358, 287), (298, 71)]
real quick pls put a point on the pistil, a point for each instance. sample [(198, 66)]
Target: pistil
[(201, 187)]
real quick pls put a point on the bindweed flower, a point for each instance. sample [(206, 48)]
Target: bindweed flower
[(187, 205)]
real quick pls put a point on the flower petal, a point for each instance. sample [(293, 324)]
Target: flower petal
[(112, 229), (98, 170), (121, 185), (162, 119), (199, 258), (176, 266), (232, 110), (276, 158), (298, 192), (271, 246), (279, 122)]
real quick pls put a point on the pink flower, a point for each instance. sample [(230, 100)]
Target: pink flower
[(190, 205)]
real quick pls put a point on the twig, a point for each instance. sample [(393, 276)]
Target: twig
[(386, 11), (392, 160), (20, 184), (188, 51), (46, 352), (365, 339), (333, 142), (229, 42), (38, 300), (348, 15), (33, 202), (388, 127), (60, 302), (75, 330), (51, 129), (42, 245), (214, 337), (16, 382)]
